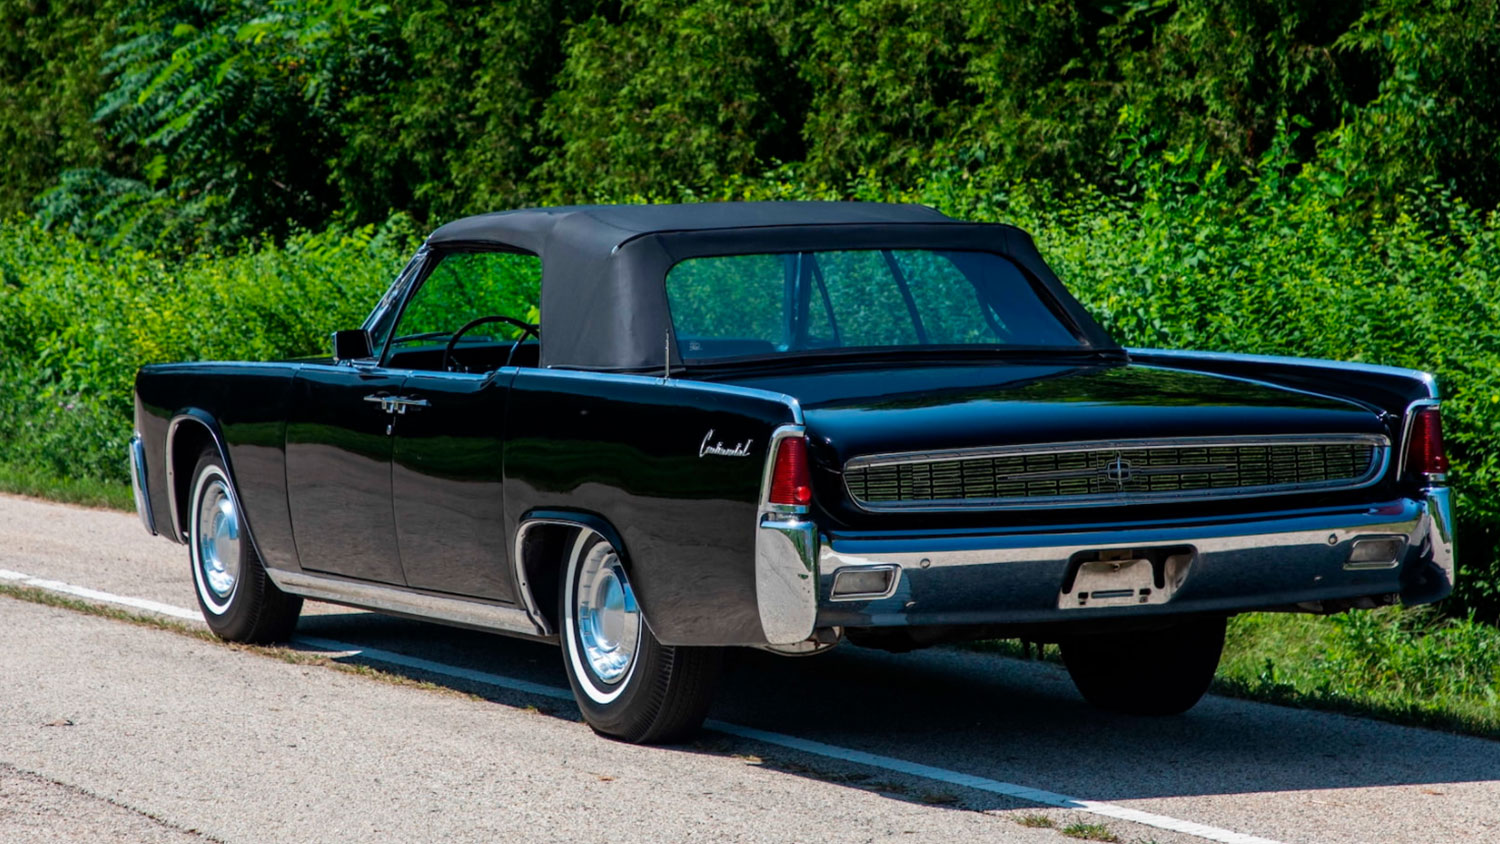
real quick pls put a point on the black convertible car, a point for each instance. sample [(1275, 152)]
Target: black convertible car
[(783, 425)]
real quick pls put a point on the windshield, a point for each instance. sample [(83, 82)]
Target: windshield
[(767, 305)]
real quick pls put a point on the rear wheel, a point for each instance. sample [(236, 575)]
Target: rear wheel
[(1151, 672), (237, 597), (628, 685)]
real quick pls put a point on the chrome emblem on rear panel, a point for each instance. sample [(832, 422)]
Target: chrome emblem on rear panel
[(1119, 471), (718, 447)]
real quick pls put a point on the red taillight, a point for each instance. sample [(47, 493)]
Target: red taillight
[(791, 483), (1424, 445)]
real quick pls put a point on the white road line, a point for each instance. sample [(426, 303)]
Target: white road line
[(103, 597), (814, 748)]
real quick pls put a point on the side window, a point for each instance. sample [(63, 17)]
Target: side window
[(465, 286)]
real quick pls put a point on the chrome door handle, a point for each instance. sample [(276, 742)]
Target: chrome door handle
[(395, 404)]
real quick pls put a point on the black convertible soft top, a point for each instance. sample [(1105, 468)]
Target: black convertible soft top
[(604, 302)]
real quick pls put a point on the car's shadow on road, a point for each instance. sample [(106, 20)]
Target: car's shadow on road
[(982, 714)]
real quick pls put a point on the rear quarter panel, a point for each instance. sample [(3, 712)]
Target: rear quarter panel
[(246, 404), (627, 449)]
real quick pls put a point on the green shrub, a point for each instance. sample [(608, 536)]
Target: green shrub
[(75, 325)]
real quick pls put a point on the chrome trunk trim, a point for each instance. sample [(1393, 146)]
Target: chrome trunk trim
[(1376, 470)]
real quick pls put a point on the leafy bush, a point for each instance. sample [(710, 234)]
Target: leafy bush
[(75, 325)]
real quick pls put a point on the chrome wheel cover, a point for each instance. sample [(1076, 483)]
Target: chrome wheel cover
[(215, 540), (608, 630)]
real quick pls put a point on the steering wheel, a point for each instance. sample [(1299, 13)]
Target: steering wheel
[(526, 328)]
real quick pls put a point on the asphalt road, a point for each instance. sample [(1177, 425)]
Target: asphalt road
[(111, 731)]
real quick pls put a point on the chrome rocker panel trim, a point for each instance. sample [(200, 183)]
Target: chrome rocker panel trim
[(396, 601), (1239, 566)]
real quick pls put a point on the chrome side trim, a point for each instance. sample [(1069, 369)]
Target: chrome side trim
[(1427, 379), (1407, 419), (390, 599), (682, 383), (138, 487), (786, 558), (1377, 470)]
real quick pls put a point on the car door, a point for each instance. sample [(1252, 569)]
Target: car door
[(338, 471), (447, 449)]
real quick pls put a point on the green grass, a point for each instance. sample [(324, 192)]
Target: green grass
[(23, 480), (1406, 666), (1090, 832)]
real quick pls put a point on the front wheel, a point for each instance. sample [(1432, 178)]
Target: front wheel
[(628, 685), (1150, 672), (237, 597)]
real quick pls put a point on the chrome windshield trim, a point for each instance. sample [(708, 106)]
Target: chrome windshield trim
[(1378, 466), (1427, 379), (140, 491), (390, 599)]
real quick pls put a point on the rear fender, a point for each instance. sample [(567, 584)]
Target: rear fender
[(674, 471)]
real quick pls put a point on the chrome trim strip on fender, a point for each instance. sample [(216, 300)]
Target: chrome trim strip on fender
[(683, 383), (786, 559), (178, 528), (1427, 379), (518, 563), (389, 599), (138, 487)]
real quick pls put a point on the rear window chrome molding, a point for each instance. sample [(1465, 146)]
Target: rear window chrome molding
[(1377, 471)]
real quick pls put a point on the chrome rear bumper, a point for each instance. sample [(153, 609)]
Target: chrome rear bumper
[(1288, 562)]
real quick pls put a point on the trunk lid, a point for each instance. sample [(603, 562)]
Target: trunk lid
[(860, 411)]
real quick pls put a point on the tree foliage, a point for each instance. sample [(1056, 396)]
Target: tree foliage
[(193, 122)]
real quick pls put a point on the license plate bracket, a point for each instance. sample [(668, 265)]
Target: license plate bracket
[(1125, 577)]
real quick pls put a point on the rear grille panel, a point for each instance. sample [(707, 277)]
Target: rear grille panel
[(1127, 472)]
